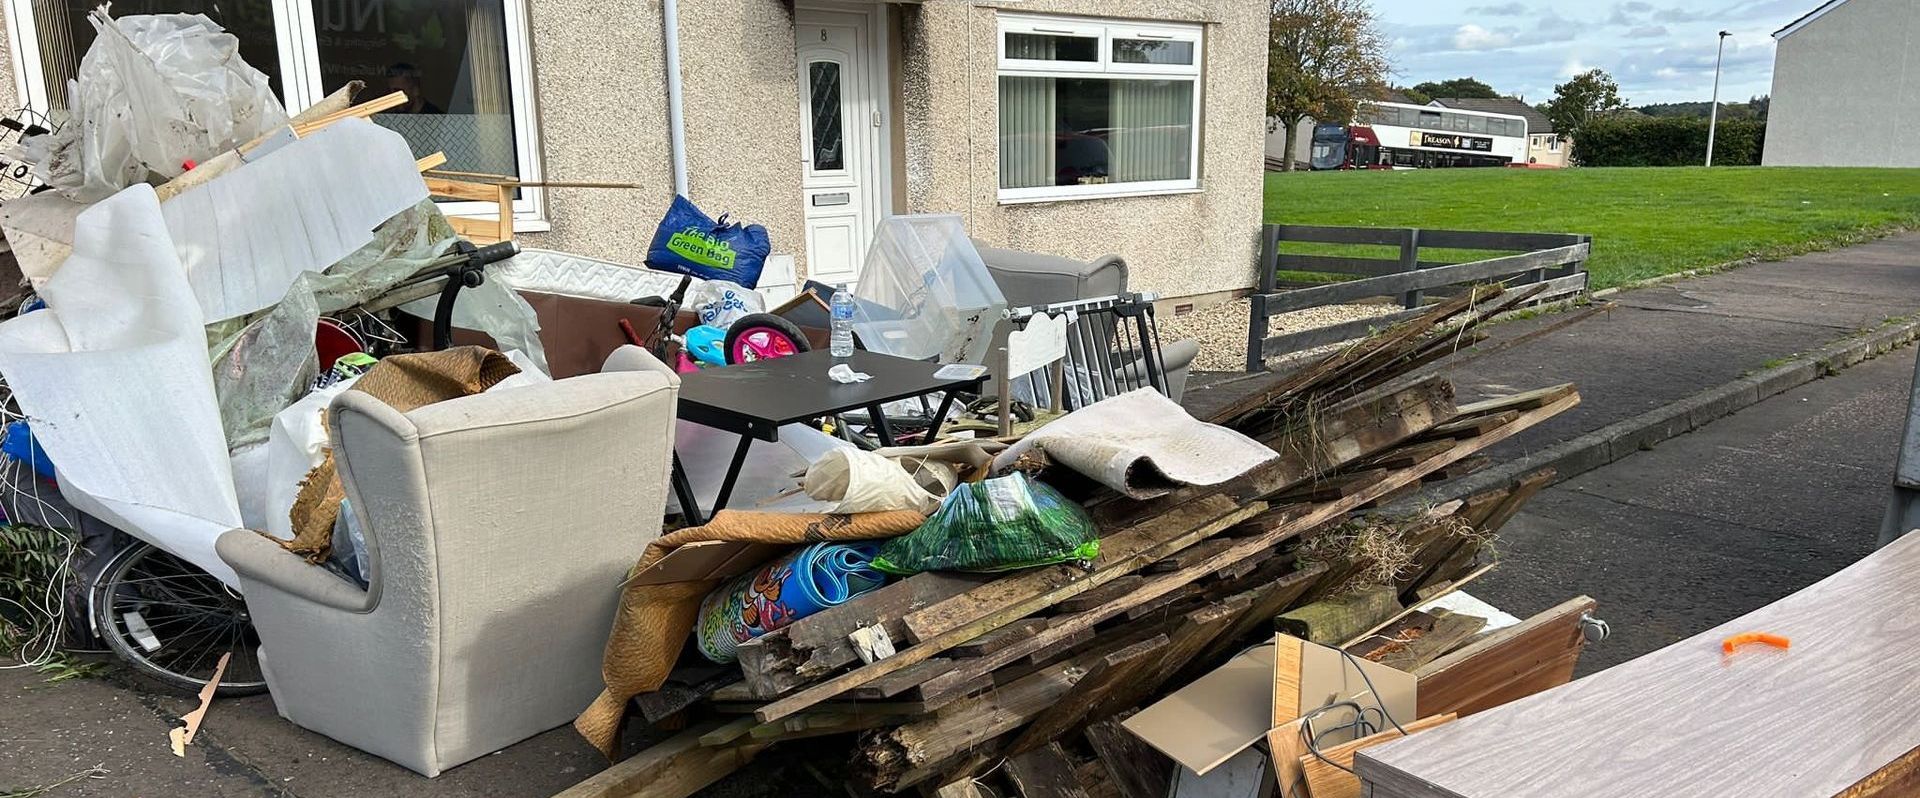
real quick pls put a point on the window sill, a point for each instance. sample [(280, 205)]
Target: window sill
[(521, 224), (1098, 195)]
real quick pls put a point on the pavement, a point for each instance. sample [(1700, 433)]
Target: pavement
[(1711, 525), (1670, 541)]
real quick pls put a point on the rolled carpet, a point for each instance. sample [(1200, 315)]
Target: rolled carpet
[(776, 594)]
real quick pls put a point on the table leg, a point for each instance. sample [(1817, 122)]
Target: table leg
[(683, 494), (879, 416), (940, 417), (733, 473)]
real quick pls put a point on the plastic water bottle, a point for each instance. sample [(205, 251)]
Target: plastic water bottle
[(842, 339)]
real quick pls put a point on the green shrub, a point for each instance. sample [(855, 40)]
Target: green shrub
[(1667, 141)]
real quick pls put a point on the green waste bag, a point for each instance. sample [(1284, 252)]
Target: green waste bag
[(996, 525)]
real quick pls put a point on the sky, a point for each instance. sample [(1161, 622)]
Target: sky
[(1658, 50)]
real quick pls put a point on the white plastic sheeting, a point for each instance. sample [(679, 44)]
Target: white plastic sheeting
[(153, 92), (244, 236), (115, 378)]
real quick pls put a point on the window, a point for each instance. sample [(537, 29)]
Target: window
[(1476, 124), (1553, 144), (463, 64), (1091, 108)]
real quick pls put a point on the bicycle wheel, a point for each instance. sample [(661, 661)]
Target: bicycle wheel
[(172, 621)]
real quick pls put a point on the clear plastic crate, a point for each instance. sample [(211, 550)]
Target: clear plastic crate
[(924, 293)]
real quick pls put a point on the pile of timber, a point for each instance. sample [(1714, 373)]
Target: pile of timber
[(946, 678)]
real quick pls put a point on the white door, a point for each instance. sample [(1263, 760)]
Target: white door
[(842, 138)]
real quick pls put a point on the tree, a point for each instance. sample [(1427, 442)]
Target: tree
[(1458, 88), (1417, 96), (1323, 58), (1581, 98)]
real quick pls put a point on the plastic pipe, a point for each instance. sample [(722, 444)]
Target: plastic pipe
[(676, 122)]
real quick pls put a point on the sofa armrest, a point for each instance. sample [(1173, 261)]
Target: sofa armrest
[(258, 559), (633, 358)]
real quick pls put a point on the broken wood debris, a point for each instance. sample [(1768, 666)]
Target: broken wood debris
[(1020, 677)]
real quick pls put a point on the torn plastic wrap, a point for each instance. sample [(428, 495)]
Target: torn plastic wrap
[(265, 362), (153, 92)]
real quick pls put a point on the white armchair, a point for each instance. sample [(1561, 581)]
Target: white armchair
[(499, 527)]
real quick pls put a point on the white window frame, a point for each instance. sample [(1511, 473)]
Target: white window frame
[(1106, 69), (301, 87)]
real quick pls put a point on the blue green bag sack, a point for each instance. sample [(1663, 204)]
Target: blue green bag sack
[(692, 243)]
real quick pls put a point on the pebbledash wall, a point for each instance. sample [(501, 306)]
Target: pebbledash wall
[(601, 106)]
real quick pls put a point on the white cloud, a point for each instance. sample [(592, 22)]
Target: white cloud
[(1502, 10), (1647, 32), (1474, 37)]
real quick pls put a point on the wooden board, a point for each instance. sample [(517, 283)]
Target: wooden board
[(1044, 773), (1813, 720), (675, 768), (1509, 663), (1323, 773)]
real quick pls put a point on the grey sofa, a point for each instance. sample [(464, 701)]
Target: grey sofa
[(1032, 279), (499, 527)]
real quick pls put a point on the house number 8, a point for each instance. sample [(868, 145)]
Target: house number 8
[(823, 34)]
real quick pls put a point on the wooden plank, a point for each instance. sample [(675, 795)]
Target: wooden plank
[(1507, 242), (1477, 677), (1188, 556), (430, 161), (1330, 774), (817, 645), (459, 190), (1100, 595), (365, 109), (1338, 264), (1899, 779), (1286, 524), (675, 768), (1044, 773), (1196, 631), (924, 749), (1445, 632), (1267, 601), (998, 638), (1391, 284), (1334, 620), (1471, 426), (1108, 674), (1121, 553), (1134, 767), (1525, 400), (1323, 234), (1277, 394)]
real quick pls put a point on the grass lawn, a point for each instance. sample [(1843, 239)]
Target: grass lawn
[(1644, 222)]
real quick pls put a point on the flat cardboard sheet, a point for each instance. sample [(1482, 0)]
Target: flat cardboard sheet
[(243, 236), (115, 380), (1219, 715)]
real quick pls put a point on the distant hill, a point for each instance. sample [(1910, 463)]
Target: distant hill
[(1751, 109)]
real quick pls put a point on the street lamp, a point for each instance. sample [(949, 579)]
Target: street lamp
[(1713, 119)]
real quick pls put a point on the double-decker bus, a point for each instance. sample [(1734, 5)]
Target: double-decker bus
[(1397, 136)]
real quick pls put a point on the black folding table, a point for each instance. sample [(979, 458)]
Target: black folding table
[(753, 400)]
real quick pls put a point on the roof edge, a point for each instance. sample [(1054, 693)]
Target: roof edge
[(1807, 19)]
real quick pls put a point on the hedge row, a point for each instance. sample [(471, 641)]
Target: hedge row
[(1667, 141)]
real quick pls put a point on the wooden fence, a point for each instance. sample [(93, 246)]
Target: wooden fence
[(1558, 259)]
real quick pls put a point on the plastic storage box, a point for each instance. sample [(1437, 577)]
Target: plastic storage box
[(925, 293)]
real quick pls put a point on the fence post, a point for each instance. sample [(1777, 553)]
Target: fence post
[(1269, 265), (1410, 261), (1574, 267)]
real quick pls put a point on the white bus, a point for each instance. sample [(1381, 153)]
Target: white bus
[(1398, 136)]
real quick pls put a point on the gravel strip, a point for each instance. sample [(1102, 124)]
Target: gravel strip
[(1222, 329)]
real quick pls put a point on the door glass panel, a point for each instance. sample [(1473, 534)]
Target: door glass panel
[(1152, 51), (1053, 47), (64, 34), (449, 56), (823, 81)]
